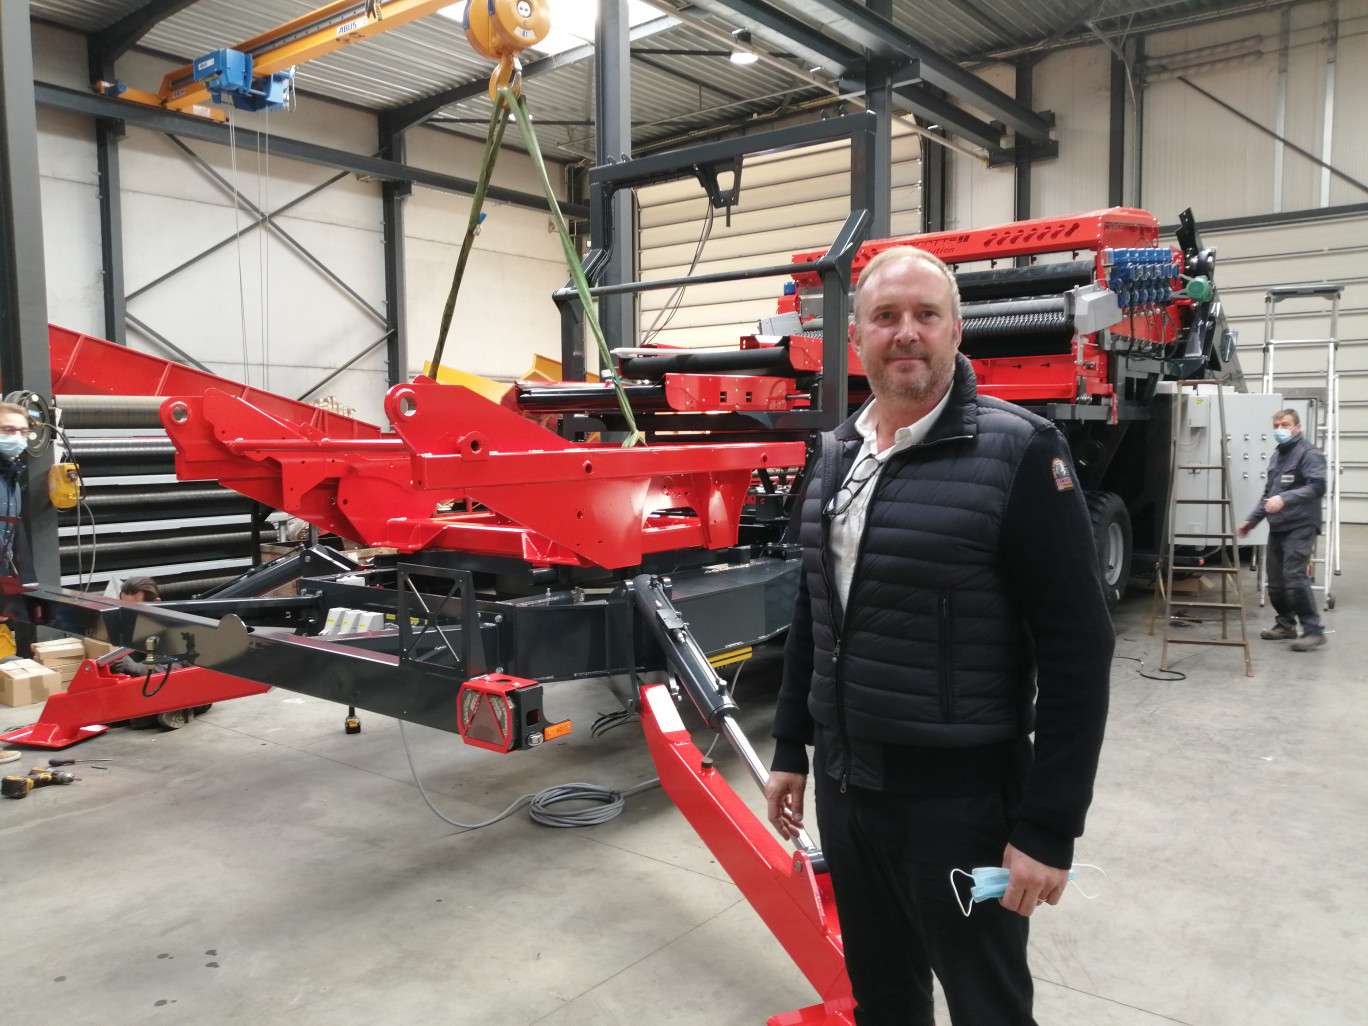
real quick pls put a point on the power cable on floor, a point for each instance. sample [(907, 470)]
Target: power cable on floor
[(611, 801), (1149, 676)]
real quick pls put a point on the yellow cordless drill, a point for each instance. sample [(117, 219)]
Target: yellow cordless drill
[(19, 787)]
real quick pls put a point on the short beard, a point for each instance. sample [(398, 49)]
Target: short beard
[(932, 387)]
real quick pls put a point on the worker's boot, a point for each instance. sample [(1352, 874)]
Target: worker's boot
[(1308, 642), (1279, 634)]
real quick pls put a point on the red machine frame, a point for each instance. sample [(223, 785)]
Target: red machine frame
[(1083, 374)]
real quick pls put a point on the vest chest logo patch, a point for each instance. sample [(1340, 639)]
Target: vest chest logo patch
[(1063, 480)]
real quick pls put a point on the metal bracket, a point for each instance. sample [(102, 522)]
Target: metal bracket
[(1029, 152)]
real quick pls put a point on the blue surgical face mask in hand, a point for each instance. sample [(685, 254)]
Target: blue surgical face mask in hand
[(12, 446), (991, 882), (1282, 436)]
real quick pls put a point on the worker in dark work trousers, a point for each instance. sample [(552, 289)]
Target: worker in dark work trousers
[(1292, 505), (950, 605), (14, 437)]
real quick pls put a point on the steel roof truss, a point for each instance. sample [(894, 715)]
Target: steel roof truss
[(882, 38)]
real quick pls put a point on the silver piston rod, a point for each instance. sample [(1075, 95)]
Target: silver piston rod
[(703, 685)]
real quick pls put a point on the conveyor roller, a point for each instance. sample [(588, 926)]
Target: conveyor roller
[(1038, 279), (110, 411), (123, 457), (1018, 324)]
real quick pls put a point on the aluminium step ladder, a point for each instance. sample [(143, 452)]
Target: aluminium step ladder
[(1318, 388), (1224, 561)]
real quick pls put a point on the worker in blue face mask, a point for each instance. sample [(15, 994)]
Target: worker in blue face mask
[(14, 437), (1292, 505)]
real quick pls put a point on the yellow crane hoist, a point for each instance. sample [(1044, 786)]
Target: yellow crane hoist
[(502, 29)]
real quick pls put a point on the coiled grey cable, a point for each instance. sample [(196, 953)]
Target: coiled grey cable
[(541, 801)]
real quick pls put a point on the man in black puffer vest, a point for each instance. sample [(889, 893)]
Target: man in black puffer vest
[(1292, 504), (950, 607)]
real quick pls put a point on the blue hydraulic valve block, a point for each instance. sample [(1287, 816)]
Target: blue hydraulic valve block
[(1140, 277)]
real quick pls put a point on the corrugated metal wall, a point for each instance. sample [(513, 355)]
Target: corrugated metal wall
[(1201, 155), (790, 202)]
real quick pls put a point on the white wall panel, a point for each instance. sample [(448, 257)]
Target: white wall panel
[(1252, 261), (1221, 166), (1351, 86), (71, 222), (976, 194), (1075, 84)]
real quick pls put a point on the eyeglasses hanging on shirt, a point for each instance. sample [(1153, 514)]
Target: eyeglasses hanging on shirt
[(860, 475)]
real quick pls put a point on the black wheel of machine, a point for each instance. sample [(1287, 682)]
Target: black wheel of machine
[(175, 719), (1111, 529), (200, 710)]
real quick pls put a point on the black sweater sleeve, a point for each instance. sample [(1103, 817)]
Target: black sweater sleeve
[(792, 721), (1051, 562)]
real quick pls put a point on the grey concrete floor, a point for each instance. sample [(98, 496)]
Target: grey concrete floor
[(261, 866)]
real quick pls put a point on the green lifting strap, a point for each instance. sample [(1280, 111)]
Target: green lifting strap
[(493, 140), (511, 100)]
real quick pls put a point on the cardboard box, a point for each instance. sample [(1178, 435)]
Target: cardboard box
[(47, 652), (64, 655), (25, 682), (94, 649), (1194, 585)]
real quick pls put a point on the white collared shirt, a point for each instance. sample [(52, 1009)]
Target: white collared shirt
[(847, 529)]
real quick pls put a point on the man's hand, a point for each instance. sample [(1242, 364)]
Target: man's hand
[(1274, 504), (1031, 883), (784, 796), (1244, 529)]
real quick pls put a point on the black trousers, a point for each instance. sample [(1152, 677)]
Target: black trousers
[(890, 858), (1289, 583)]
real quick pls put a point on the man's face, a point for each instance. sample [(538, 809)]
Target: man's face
[(133, 596), (905, 332), (14, 424), (1287, 424)]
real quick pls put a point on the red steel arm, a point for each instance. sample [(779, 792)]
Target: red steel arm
[(794, 902)]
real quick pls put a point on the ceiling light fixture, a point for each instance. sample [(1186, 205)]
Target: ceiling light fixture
[(740, 55)]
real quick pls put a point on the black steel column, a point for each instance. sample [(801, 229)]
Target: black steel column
[(879, 100), (392, 196), (613, 120), (1138, 142), (1021, 205), (935, 160), (23, 285), (107, 135), (1116, 148)]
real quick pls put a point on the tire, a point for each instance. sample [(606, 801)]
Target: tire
[(200, 710), (1111, 528), (176, 719)]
